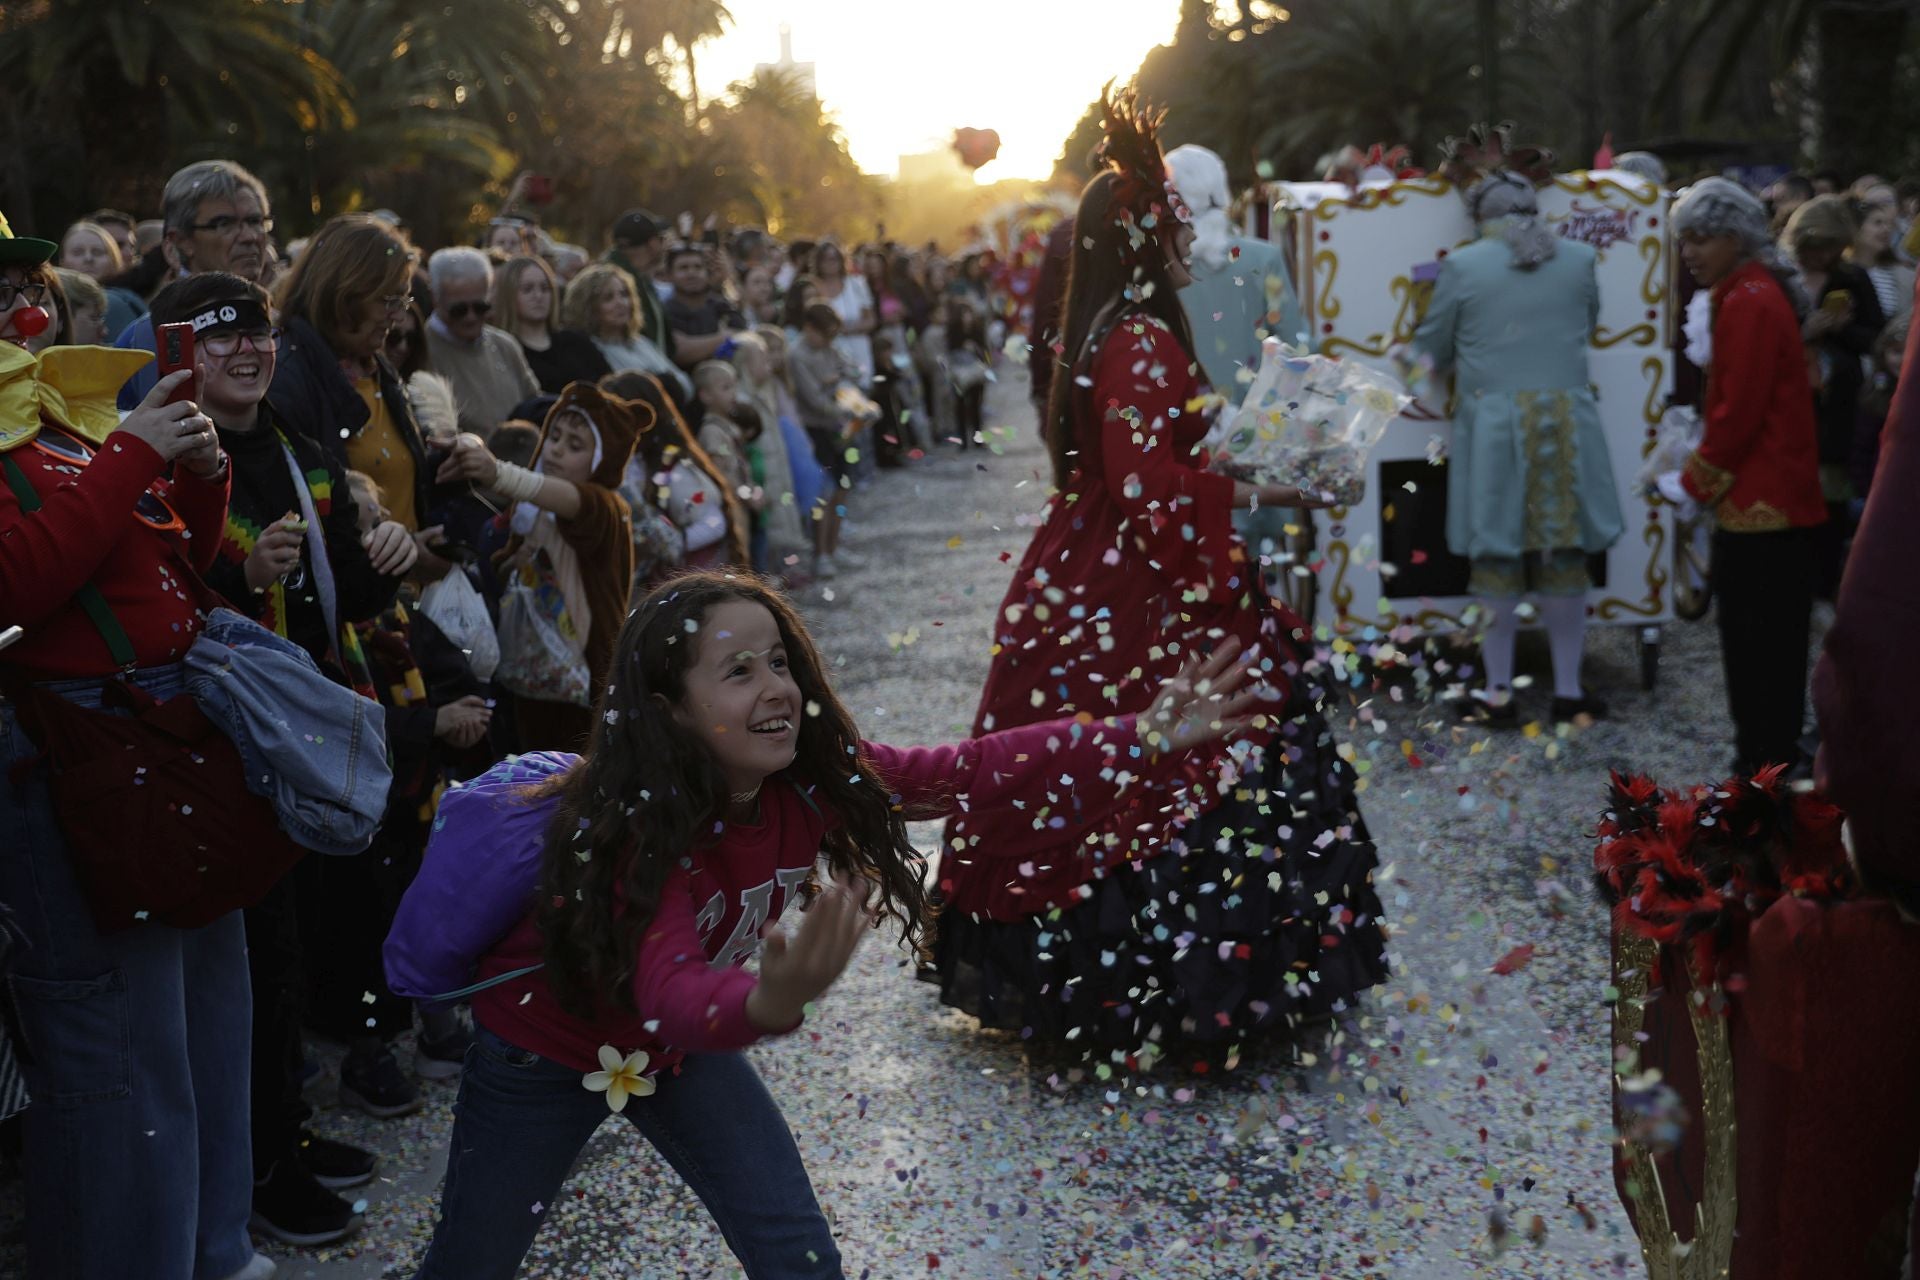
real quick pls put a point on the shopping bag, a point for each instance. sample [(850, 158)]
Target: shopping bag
[(457, 609), (539, 658)]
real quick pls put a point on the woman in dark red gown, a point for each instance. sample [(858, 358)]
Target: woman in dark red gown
[(1235, 897)]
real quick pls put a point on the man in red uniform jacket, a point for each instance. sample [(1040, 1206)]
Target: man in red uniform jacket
[(1756, 468)]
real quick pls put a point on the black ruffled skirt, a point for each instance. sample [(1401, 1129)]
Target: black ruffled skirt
[(1257, 916)]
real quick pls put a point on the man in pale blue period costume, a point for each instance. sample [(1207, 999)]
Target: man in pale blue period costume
[(1241, 293), (1530, 490)]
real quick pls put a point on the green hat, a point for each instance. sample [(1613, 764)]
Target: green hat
[(23, 251)]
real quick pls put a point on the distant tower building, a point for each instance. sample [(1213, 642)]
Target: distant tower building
[(801, 73)]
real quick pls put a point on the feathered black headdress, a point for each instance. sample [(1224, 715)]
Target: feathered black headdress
[(1131, 148)]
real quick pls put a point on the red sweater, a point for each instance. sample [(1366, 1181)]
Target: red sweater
[(1758, 464), (688, 988), (87, 531)]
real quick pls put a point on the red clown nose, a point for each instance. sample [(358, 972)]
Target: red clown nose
[(31, 322)]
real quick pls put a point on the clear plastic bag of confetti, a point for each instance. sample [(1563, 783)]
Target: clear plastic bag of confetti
[(1308, 421)]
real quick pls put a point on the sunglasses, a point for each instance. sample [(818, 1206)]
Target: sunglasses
[(402, 337), (460, 310), (149, 508)]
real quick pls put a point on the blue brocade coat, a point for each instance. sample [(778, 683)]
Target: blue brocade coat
[(1528, 468)]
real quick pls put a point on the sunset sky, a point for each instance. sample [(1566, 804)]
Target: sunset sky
[(901, 79)]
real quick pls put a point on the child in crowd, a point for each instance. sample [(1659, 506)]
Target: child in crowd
[(892, 433), (87, 305), (295, 558), (672, 472), (722, 771), (793, 475), (821, 379), (747, 421), (717, 387), (968, 369), (571, 531)]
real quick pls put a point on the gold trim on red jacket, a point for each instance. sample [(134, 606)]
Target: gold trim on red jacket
[(1709, 481)]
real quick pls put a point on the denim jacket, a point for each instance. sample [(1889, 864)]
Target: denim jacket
[(313, 747)]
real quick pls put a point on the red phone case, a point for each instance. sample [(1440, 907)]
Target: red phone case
[(174, 342)]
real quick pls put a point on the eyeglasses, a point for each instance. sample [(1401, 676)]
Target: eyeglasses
[(34, 291), (459, 310), (229, 342), (228, 225), (149, 508)]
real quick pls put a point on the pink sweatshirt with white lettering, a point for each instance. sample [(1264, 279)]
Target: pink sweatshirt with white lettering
[(689, 991)]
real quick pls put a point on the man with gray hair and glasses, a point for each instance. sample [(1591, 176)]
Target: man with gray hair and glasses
[(216, 218), (485, 365)]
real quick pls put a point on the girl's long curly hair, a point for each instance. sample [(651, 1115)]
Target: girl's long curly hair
[(649, 792)]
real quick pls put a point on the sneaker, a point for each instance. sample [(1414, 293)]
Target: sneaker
[(378, 1086), (293, 1208), (1573, 708), (847, 560), (824, 569), (335, 1165), (442, 1057), (261, 1268)]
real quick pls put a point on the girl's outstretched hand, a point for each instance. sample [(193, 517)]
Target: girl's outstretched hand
[(1212, 697), (796, 971)]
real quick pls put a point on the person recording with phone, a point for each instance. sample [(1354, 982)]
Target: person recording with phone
[(143, 1030)]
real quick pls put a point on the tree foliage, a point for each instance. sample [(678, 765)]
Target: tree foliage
[(1274, 89), (425, 106)]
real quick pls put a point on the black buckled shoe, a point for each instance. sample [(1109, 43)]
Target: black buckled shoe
[(1565, 709), (1474, 709)]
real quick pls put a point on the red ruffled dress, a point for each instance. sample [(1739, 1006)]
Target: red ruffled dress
[(1233, 897)]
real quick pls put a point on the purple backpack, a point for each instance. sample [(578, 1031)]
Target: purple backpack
[(477, 880)]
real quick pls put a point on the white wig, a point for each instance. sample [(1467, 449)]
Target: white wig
[(1200, 177)]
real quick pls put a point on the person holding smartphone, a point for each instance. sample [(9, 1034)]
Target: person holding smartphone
[(136, 1146)]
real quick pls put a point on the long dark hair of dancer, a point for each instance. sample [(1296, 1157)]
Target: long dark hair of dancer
[(1112, 271)]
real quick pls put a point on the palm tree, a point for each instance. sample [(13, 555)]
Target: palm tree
[(1369, 71), (687, 23), (1855, 47), (124, 77), (412, 86)]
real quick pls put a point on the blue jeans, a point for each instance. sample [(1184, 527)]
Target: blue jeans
[(522, 1119), (136, 1141)]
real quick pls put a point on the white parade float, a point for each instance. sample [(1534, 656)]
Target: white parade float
[(1364, 262)]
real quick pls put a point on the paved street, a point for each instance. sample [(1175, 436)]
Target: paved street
[(1455, 1097)]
